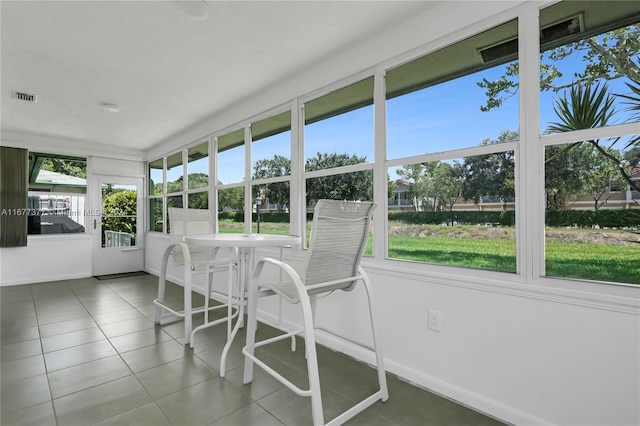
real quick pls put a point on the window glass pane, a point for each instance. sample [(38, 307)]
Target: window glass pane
[(354, 186), (231, 157), (458, 212), (174, 173), (57, 194), (439, 102), (56, 213), (155, 177), (271, 208), (339, 124), (594, 52), (592, 233), (173, 201), (231, 210), (155, 214), (198, 200), (198, 166), (589, 81), (271, 147), (119, 215)]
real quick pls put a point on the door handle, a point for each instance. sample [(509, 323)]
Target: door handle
[(94, 223)]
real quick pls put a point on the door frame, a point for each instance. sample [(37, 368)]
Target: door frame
[(106, 260)]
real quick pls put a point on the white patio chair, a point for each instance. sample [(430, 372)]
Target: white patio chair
[(196, 260), (338, 238)]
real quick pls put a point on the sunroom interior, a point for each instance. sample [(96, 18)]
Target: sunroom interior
[(466, 111)]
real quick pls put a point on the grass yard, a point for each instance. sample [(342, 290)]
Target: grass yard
[(591, 254), (592, 261), (497, 255)]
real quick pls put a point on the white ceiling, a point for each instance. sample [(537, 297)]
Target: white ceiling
[(165, 71)]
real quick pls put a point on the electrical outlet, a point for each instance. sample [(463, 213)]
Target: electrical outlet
[(435, 320)]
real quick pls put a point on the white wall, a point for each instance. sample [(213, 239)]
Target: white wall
[(526, 351), (58, 257), (512, 352), (46, 258)]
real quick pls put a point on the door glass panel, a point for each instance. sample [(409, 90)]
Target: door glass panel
[(119, 214)]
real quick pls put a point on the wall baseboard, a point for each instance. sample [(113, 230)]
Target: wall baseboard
[(35, 280), (432, 384)]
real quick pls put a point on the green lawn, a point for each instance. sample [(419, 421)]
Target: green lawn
[(567, 254), (594, 262), (473, 253)]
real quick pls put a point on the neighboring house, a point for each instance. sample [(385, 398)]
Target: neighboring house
[(401, 199), (613, 198)]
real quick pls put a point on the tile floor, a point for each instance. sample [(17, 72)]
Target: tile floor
[(86, 352)]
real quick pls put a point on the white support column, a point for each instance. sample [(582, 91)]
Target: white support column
[(248, 202), (379, 169), (297, 204), (213, 179), (530, 203)]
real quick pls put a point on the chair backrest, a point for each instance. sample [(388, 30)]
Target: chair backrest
[(190, 222), (338, 238)]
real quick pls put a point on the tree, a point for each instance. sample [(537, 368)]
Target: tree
[(562, 175), (436, 185), (632, 156), (230, 199), (633, 102), (492, 174), (600, 174), (607, 56), (119, 212), (199, 200), (421, 185), (175, 186), (345, 186), (587, 107), (447, 182), (66, 167), (198, 180), (275, 167), (277, 193)]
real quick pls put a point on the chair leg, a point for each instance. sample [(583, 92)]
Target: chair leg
[(252, 306), (207, 298), (308, 311), (382, 377), (188, 320), (162, 283)]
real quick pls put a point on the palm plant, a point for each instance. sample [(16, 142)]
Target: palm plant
[(634, 106), (587, 107)]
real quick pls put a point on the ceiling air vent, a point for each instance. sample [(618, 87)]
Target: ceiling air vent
[(27, 97), (548, 35)]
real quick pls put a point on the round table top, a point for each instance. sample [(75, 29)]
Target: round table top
[(242, 240)]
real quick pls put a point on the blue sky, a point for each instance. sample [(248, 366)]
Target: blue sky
[(439, 118)]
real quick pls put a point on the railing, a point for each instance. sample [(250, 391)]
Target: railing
[(400, 202), (117, 239)]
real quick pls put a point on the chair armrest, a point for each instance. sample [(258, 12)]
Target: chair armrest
[(291, 289)]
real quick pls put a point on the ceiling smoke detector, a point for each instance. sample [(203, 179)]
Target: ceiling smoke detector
[(196, 10), (26, 97), (110, 107)]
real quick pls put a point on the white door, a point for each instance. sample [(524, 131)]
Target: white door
[(118, 225)]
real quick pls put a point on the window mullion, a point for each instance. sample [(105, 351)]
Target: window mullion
[(529, 157), (379, 168)]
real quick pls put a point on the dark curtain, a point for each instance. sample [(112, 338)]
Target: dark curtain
[(14, 189)]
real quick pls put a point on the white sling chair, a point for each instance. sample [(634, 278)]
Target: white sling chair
[(196, 260), (338, 238)]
